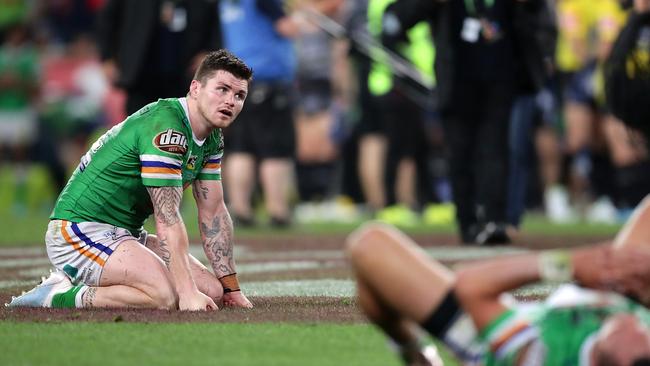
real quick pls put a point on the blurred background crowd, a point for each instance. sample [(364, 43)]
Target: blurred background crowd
[(346, 118)]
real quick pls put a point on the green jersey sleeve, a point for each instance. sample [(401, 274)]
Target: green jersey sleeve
[(161, 157), (211, 169)]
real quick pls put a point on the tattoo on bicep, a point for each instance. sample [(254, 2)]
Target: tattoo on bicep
[(89, 297), (218, 243), (166, 203), (164, 253)]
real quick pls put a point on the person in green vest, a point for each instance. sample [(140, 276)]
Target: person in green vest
[(394, 156), (19, 92)]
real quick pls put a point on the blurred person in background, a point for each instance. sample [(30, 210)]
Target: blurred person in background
[(478, 46), (64, 20), (13, 12), (627, 80), (262, 144), (322, 88), (601, 327), (534, 123), (404, 105), (587, 30), (19, 90), (371, 129), (362, 178), (74, 89), (151, 48)]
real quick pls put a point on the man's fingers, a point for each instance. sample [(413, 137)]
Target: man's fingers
[(211, 305)]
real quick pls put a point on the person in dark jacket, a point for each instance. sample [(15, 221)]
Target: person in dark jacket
[(151, 48), (482, 48)]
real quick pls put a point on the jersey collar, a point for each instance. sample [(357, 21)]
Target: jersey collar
[(183, 102)]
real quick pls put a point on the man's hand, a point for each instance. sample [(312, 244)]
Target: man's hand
[(236, 298), (196, 301), (625, 270)]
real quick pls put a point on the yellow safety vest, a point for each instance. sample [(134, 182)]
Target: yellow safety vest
[(419, 50)]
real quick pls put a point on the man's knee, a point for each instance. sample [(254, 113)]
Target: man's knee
[(366, 239)]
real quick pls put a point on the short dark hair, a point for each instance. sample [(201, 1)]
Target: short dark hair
[(222, 60)]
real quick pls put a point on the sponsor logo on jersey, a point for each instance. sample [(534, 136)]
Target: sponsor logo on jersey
[(171, 141), (191, 162)]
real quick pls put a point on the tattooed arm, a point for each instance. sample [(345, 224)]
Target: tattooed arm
[(173, 241), (216, 230)]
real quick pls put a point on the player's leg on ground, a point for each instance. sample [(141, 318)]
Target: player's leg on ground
[(394, 298), (396, 273), (399, 329), (276, 176), (406, 334), (205, 280), (239, 180), (133, 276)]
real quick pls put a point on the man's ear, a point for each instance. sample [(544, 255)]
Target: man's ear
[(194, 88)]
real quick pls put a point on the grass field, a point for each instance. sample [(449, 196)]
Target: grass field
[(299, 280), (126, 344)]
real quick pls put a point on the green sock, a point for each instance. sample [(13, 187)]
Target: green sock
[(66, 299)]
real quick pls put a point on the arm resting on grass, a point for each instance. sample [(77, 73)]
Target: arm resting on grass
[(217, 235), (173, 241)]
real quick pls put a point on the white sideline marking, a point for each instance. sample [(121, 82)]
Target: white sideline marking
[(446, 253), (7, 252), (282, 266), (36, 272), (24, 262), (345, 288), (17, 283), (469, 253), (325, 287)]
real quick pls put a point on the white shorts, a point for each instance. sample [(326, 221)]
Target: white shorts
[(82, 249)]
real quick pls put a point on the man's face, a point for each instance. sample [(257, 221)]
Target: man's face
[(622, 338), (220, 98)]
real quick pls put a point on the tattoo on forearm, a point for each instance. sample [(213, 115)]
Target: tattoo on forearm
[(166, 203), (165, 255), (200, 191), (218, 244), (89, 297)]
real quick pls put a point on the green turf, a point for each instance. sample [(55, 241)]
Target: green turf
[(125, 344)]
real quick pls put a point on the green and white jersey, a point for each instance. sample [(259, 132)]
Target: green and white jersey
[(153, 147), (560, 331)]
